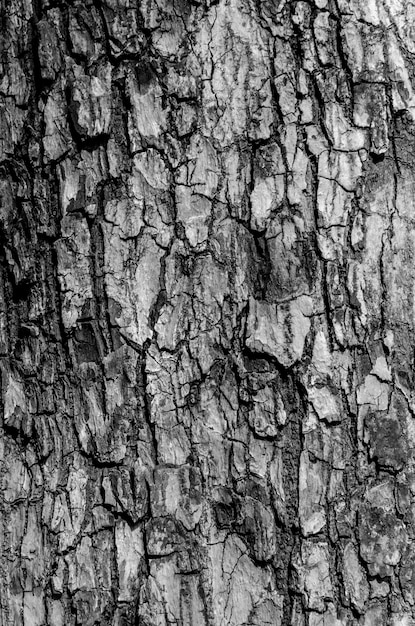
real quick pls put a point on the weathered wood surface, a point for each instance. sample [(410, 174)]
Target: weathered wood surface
[(207, 312)]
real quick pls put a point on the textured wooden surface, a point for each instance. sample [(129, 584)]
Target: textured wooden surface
[(207, 310)]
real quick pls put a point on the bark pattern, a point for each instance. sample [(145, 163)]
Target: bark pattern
[(207, 313)]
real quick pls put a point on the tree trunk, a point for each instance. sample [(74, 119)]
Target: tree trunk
[(207, 313)]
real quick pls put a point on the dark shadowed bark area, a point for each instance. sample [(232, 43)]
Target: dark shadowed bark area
[(207, 311)]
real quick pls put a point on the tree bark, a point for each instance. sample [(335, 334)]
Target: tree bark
[(207, 312)]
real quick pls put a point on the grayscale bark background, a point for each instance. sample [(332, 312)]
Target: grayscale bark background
[(207, 311)]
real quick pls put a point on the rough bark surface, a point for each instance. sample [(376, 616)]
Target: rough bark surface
[(207, 311)]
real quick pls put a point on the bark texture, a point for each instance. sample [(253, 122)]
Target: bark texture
[(207, 234)]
